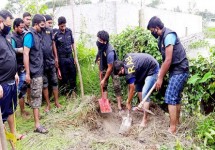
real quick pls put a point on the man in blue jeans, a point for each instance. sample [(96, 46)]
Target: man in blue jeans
[(140, 70), (175, 62), (17, 43)]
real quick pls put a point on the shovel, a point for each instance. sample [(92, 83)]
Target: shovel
[(140, 106), (104, 104), (126, 124)]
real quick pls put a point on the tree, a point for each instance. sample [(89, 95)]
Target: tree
[(14, 6), (192, 7), (35, 6), (154, 3), (177, 9)]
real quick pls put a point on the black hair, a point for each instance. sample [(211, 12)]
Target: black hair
[(48, 17), (37, 19), (155, 22), (117, 65), (17, 22), (103, 35), (26, 14), (4, 14), (61, 20)]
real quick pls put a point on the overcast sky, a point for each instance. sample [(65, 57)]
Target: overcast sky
[(168, 4)]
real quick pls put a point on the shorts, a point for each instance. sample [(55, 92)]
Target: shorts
[(36, 92), (116, 83), (8, 102), (148, 84), (50, 76), (174, 88), (21, 82)]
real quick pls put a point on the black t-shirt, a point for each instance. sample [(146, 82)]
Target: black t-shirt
[(47, 40), (139, 66), (7, 61), (64, 41)]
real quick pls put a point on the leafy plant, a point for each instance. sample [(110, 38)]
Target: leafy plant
[(201, 85), (205, 131), (198, 44)]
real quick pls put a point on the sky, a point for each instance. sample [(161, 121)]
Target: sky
[(168, 4)]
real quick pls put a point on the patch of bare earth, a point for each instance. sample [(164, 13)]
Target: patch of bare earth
[(101, 131), (81, 126)]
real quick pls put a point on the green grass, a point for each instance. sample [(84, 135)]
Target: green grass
[(209, 32), (57, 121)]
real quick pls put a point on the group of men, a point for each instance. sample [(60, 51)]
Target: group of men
[(38, 55), (142, 70), (33, 57)]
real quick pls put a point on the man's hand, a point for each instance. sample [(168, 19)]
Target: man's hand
[(28, 79), (128, 106), (56, 63), (1, 91), (102, 83), (17, 79), (159, 83), (59, 74)]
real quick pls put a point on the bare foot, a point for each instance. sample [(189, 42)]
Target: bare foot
[(143, 124), (47, 109), (25, 114), (58, 105), (172, 131), (20, 136)]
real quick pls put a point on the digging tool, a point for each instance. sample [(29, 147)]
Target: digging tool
[(126, 124), (140, 106), (103, 102)]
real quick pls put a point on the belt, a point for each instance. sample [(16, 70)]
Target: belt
[(65, 55)]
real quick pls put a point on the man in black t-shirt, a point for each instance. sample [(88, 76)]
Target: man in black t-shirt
[(49, 59)]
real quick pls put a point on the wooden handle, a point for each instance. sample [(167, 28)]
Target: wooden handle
[(145, 98)]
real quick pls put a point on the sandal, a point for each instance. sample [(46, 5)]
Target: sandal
[(41, 129)]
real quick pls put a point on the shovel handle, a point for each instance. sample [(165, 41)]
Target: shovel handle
[(145, 98)]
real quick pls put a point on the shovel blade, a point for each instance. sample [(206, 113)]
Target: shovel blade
[(104, 105), (126, 125)]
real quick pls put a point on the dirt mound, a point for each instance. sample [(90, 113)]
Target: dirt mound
[(154, 136)]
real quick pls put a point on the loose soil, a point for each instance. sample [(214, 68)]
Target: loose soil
[(81, 126)]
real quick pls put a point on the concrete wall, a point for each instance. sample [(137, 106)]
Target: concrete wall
[(115, 17)]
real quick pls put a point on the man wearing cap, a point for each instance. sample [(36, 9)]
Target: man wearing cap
[(50, 62)]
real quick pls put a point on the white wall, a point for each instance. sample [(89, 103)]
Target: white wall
[(179, 22), (115, 17)]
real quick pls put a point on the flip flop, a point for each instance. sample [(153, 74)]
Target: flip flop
[(41, 129)]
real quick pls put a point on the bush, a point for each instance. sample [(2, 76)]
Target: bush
[(201, 85), (205, 131)]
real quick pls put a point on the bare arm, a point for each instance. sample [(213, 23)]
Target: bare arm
[(55, 54), (26, 63), (165, 66), (108, 73), (131, 92)]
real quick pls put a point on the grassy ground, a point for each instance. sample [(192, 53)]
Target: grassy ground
[(80, 126)]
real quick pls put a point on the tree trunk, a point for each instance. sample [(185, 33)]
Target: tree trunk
[(76, 56), (3, 142)]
